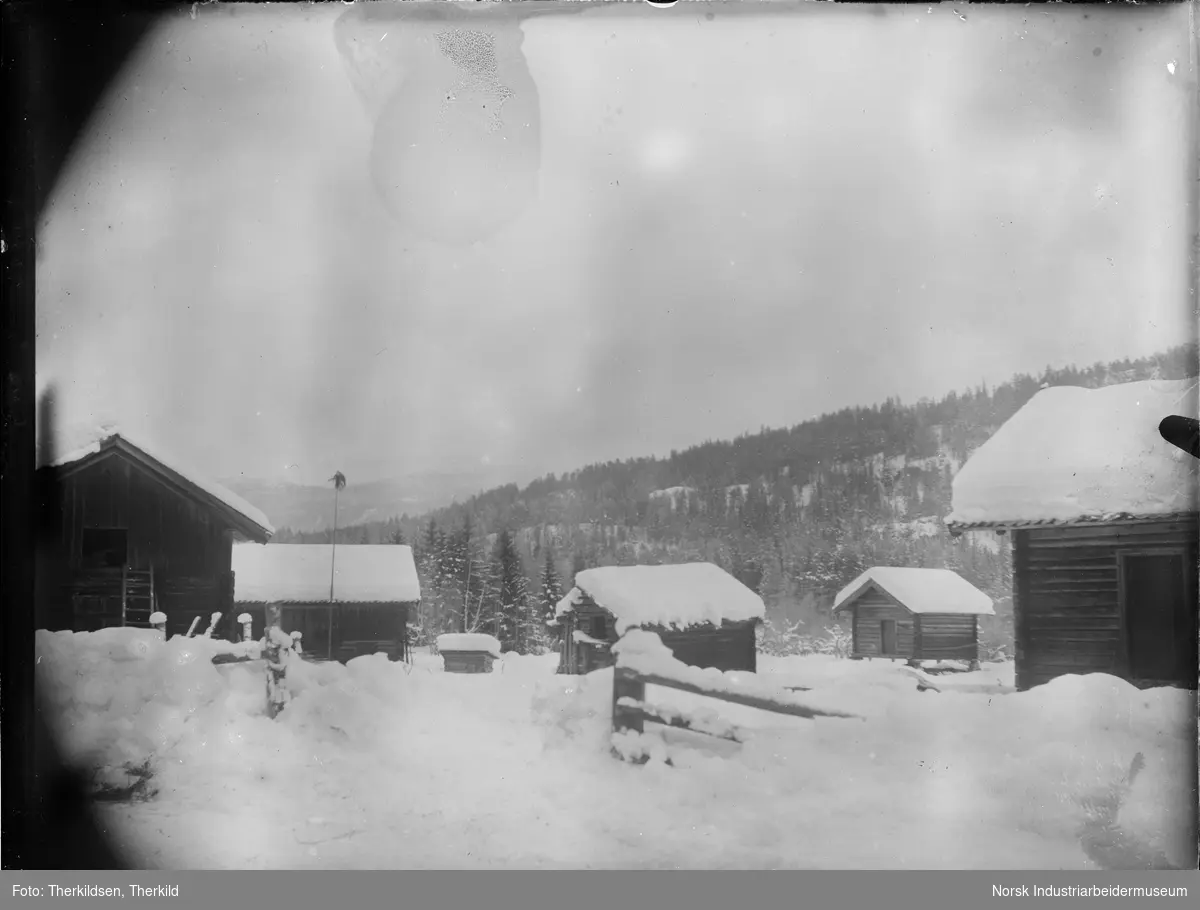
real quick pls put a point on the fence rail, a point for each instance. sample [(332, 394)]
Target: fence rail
[(631, 711)]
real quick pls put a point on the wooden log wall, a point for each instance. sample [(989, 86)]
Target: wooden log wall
[(467, 662), (946, 636), (1067, 612), (869, 612), (176, 535), (186, 546), (732, 646)]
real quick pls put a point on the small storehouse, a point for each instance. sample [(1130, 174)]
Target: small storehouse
[(142, 534), (468, 652), (1103, 515), (913, 614), (374, 591), (702, 613)]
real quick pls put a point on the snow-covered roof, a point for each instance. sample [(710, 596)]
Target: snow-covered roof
[(300, 573), (919, 590), (679, 595), (469, 641), (1077, 455), (86, 443)]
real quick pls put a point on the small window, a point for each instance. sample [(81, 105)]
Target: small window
[(599, 627), (105, 548)]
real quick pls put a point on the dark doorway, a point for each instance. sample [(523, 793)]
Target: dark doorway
[(1160, 623), (887, 633)]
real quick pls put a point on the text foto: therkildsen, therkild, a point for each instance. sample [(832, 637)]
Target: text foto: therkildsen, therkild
[(95, 891)]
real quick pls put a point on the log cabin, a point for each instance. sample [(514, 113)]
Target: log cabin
[(346, 601), (1103, 516), (704, 615), (913, 614), (142, 534)]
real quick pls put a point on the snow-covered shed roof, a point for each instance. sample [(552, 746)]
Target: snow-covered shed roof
[(921, 591), (680, 595), (469, 641), (300, 573), (1073, 455), (89, 445)]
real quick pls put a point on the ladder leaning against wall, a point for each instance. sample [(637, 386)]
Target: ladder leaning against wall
[(137, 597)]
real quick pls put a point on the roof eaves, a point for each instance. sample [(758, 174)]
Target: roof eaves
[(958, 527)]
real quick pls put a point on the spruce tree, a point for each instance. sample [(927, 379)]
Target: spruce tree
[(549, 595), (512, 599)]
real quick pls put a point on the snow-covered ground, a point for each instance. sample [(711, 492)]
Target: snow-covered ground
[(383, 765)]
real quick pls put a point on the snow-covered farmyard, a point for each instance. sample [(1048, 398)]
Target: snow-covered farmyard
[(379, 764), (1075, 454)]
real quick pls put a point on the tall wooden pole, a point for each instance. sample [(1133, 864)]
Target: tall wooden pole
[(333, 542), (338, 482)]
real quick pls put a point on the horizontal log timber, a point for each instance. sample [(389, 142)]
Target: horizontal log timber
[(1040, 536), (738, 698), (1072, 560), (1068, 630), (1086, 577)]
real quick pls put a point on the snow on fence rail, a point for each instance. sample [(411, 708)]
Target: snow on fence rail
[(642, 659)]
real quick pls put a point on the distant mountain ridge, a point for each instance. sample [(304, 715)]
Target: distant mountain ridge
[(309, 509), (845, 459), (796, 513)]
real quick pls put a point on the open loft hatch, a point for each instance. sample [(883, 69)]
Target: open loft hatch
[(104, 548)]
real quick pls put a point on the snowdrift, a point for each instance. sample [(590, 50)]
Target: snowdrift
[(377, 764)]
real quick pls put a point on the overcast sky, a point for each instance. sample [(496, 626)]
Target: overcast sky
[(738, 221)]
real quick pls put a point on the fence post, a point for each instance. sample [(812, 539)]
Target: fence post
[(212, 624), (247, 626), (159, 622), (627, 684), (276, 653)]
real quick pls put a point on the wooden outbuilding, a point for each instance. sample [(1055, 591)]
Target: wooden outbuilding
[(142, 534), (346, 601), (704, 615), (1103, 515), (468, 652), (913, 614)]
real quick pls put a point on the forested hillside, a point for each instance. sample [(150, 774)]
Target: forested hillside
[(795, 512)]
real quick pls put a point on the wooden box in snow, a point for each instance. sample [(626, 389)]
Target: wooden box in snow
[(468, 652), (913, 614), (705, 616), (1104, 520)]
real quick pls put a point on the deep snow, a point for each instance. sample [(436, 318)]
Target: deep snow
[(301, 573), (383, 765), (922, 590), (679, 595), (1073, 453)]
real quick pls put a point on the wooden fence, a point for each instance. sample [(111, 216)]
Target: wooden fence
[(631, 711)]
